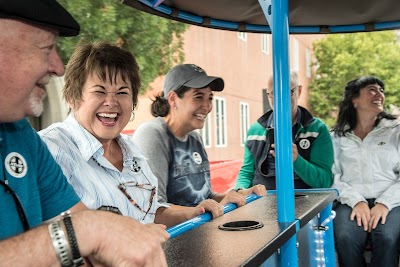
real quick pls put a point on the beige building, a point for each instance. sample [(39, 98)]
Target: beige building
[(244, 61)]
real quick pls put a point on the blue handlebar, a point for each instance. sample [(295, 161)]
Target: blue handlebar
[(203, 218)]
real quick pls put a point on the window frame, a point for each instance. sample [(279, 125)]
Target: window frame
[(218, 102), (244, 126)]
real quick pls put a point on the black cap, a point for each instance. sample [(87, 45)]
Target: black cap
[(47, 13)]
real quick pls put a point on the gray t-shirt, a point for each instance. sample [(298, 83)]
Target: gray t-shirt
[(181, 166)]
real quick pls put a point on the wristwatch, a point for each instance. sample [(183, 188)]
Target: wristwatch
[(111, 209)]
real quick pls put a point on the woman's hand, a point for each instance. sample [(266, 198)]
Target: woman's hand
[(258, 189), (362, 213), (212, 206), (378, 212), (234, 197), (239, 197)]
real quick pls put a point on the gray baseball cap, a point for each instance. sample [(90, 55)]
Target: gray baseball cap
[(191, 76)]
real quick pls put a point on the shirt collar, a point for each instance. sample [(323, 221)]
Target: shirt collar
[(89, 146), (270, 122)]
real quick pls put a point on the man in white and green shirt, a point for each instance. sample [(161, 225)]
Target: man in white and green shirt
[(312, 148)]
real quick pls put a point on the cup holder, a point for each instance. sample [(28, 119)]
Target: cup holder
[(240, 226), (298, 196)]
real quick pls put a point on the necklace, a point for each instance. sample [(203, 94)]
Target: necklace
[(109, 150)]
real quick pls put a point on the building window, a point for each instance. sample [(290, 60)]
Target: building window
[(265, 43), (295, 55), (308, 63), (244, 121), (205, 132), (220, 121), (242, 36)]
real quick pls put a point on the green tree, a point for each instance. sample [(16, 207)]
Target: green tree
[(156, 42), (344, 57)]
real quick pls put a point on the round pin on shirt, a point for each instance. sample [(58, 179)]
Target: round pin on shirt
[(197, 157)]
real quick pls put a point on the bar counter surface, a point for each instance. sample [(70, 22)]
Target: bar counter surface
[(207, 245)]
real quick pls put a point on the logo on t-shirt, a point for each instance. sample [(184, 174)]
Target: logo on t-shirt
[(16, 165), (197, 157), (304, 143)]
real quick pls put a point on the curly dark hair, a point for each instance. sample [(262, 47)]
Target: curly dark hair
[(347, 112)]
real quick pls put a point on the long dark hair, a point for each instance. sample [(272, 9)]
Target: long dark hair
[(347, 112)]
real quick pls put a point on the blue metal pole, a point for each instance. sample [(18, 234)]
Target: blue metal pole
[(203, 218), (288, 253), (283, 126), (282, 112)]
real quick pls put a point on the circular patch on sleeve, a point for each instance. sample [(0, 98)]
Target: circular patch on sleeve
[(304, 144), (16, 165)]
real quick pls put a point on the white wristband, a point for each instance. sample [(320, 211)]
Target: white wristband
[(60, 244)]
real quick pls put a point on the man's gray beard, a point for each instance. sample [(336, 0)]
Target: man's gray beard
[(36, 106)]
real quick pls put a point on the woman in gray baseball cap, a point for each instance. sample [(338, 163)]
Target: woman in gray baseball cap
[(175, 151)]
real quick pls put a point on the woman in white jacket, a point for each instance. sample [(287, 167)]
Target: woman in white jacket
[(366, 142)]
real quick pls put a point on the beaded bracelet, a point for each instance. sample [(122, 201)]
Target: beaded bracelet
[(60, 244), (76, 255)]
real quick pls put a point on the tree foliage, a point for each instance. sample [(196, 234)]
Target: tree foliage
[(344, 57), (156, 42)]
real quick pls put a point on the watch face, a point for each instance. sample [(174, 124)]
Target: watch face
[(111, 209)]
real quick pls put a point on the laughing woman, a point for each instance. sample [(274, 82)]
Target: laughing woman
[(104, 166), (366, 142), (175, 151)]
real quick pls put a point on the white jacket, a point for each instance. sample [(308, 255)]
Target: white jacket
[(369, 168)]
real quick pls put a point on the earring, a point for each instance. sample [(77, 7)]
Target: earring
[(175, 108), (132, 116), (355, 105)]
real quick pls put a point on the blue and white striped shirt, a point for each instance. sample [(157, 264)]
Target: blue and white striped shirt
[(93, 177)]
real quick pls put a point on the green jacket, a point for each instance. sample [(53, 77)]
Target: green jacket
[(313, 166)]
